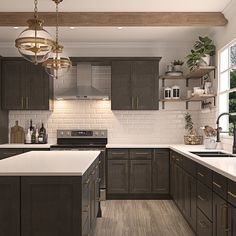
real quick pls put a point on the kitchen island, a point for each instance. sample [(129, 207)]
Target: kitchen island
[(49, 193)]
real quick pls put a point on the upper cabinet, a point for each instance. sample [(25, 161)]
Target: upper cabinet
[(135, 84), (25, 86)]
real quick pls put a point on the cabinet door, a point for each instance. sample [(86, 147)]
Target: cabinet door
[(13, 90), (178, 186), (232, 220), (117, 176), (145, 85), (189, 199), (9, 152), (140, 176), (172, 177), (121, 85), (160, 172), (220, 216), (37, 84), (51, 206), (10, 206), (204, 225)]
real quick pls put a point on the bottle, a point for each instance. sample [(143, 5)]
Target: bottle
[(31, 127), (28, 137), (42, 134), (37, 136), (33, 137)]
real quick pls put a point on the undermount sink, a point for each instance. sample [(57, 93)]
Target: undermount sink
[(212, 154)]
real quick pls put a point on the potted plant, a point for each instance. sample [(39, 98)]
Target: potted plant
[(201, 53), (192, 138), (177, 65)]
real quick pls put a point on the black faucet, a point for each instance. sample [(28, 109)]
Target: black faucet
[(218, 130)]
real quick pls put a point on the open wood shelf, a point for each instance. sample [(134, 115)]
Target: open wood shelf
[(201, 97), (200, 72)]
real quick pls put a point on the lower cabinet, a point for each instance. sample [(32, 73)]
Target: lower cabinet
[(140, 176), (204, 225), (10, 206), (118, 176), (189, 199), (220, 216), (231, 220), (134, 172)]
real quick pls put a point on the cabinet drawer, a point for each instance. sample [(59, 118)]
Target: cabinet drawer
[(219, 185), (204, 199), (232, 192), (204, 175), (204, 226), (9, 152), (162, 152), (117, 154), (140, 154), (189, 166), (177, 158)]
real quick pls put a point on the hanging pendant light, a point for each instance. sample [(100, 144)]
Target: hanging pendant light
[(34, 43), (57, 64)]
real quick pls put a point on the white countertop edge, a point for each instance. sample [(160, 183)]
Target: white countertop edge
[(25, 146)]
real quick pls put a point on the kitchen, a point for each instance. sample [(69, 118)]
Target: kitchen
[(112, 139)]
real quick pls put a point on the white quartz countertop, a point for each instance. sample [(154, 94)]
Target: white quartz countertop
[(48, 163), (225, 166), (21, 145)]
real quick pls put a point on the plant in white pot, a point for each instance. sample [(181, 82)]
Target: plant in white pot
[(201, 53), (192, 138), (177, 65)]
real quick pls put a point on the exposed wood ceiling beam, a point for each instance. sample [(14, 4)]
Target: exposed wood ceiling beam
[(199, 19)]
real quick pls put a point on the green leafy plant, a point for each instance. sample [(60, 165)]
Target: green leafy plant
[(203, 47), (177, 62), (189, 123)]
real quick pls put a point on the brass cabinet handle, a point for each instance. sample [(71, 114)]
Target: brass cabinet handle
[(224, 217), (217, 185), (141, 153), (86, 208), (22, 102), (200, 174), (98, 199), (27, 102), (177, 159), (98, 180), (203, 224), (93, 172), (87, 181), (118, 153), (137, 102), (97, 166), (201, 198), (232, 194), (9, 153)]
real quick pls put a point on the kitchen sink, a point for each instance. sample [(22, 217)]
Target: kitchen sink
[(212, 154)]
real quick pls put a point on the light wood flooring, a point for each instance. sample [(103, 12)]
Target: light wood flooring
[(141, 218)]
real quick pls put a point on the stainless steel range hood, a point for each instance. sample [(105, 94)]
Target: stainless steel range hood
[(92, 82)]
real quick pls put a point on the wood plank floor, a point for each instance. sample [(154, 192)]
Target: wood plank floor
[(141, 218)]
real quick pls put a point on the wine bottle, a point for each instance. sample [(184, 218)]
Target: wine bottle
[(42, 134), (31, 127), (28, 137), (37, 136)]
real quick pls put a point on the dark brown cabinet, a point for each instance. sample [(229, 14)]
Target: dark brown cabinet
[(189, 199), (118, 176), (10, 206), (204, 225), (25, 86), (231, 220), (140, 176), (135, 84), (160, 171), (220, 216), (3, 115)]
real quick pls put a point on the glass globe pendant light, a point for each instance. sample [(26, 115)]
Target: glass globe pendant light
[(34, 43), (57, 64)]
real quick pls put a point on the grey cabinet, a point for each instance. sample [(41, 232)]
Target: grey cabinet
[(3, 115), (118, 176), (135, 84), (10, 206), (140, 176), (25, 86), (160, 171)]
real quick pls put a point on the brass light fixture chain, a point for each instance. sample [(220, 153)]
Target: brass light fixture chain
[(35, 9), (57, 24)]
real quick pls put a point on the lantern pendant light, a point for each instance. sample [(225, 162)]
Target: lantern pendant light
[(57, 64), (34, 43)]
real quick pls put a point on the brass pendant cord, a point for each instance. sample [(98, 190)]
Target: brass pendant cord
[(35, 30), (57, 36)]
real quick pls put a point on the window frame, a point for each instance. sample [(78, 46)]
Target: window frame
[(229, 90)]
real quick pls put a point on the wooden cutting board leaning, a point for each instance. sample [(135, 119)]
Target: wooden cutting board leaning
[(17, 134)]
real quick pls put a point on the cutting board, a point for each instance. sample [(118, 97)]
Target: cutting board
[(17, 134)]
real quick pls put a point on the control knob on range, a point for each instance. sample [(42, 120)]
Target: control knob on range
[(96, 133)]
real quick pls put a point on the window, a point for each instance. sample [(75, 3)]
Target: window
[(227, 84)]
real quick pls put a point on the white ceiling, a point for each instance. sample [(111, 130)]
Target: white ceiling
[(117, 5), (112, 34)]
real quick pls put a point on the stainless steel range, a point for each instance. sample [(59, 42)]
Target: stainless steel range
[(89, 140)]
